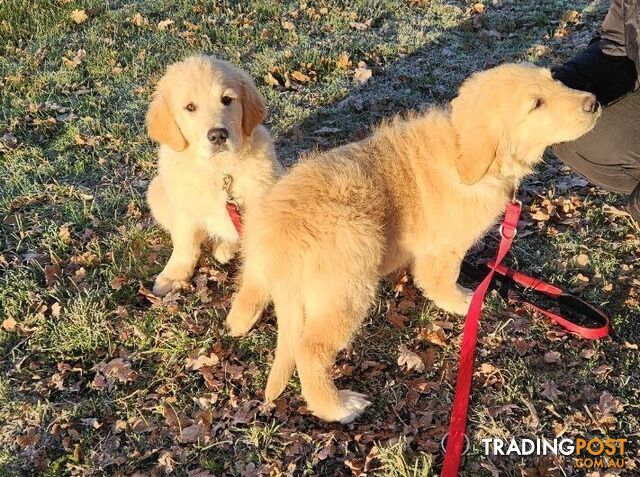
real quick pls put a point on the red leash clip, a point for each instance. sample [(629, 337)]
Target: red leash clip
[(508, 230)]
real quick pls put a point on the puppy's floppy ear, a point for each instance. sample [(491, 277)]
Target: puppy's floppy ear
[(162, 126), (478, 138), (254, 110)]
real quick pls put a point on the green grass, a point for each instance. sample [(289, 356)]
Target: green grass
[(77, 245)]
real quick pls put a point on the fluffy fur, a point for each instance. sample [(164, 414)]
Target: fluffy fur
[(196, 97), (418, 192)]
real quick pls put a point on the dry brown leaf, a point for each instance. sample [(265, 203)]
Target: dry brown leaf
[(138, 20), (271, 80), (164, 24), (434, 334), (192, 434), (343, 61), (56, 308), (9, 324), (117, 282), (64, 233), (410, 360), (51, 273), (478, 7), (552, 357), (362, 74), (79, 16), (299, 77), (570, 16), (550, 391), (77, 59), (609, 404), (581, 260), (201, 361), (287, 25), (611, 210)]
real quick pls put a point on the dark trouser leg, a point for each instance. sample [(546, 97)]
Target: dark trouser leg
[(609, 155)]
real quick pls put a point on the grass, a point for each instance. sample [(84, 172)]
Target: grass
[(78, 249)]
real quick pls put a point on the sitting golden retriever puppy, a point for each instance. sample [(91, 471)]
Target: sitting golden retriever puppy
[(418, 192), (206, 115)]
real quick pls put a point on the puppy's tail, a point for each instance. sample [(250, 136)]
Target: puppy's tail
[(290, 315)]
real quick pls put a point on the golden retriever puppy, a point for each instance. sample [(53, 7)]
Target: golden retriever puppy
[(418, 192), (206, 115)]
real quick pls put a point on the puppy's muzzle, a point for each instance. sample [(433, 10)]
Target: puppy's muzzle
[(217, 136)]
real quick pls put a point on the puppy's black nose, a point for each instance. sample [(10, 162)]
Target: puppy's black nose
[(217, 135), (590, 104)]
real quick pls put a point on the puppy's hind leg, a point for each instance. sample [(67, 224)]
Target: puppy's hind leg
[(437, 276), (333, 311), (290, 321)]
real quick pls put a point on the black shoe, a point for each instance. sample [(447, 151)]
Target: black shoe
[(634, 204)]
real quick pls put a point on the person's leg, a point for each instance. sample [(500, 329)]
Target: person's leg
[(609, 155)]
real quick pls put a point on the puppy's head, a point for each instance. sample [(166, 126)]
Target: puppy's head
[(506, 116), (206, 105)]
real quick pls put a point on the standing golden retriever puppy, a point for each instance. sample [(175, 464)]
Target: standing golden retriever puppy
[(206, 115), (419, 192)]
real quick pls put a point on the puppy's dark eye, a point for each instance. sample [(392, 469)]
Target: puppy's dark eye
[(226, 100), (538, 104), (190, 107)]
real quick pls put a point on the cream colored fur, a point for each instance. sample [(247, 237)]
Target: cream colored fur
[(418, 193), (187, 196)]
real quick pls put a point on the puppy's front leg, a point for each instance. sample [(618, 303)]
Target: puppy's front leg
[(437, 276), (186, 240), (225, 251)]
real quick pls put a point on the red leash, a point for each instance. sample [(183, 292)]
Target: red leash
[(234, 215), (457, 426), (232, 206)]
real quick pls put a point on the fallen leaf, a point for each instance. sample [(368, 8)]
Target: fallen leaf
[(550, 391), (79, 16), (581, 260), (570, 16), (611, 210), (51, 273), (202, 361), (271, 80), (117, 282), (299, 77), (552, 357), (410, 360), (434, 334), (9, 324), (192, 434), (478, 7), (609, 404), (56, 308), (164, 24), (77, 59), (138, 20), (362, 74), (343, 61)]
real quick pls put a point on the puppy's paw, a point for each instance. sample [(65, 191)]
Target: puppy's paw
[(164, 285), (458, 303), (237, 323), (353, 404), (275, 387), (224, 252)]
